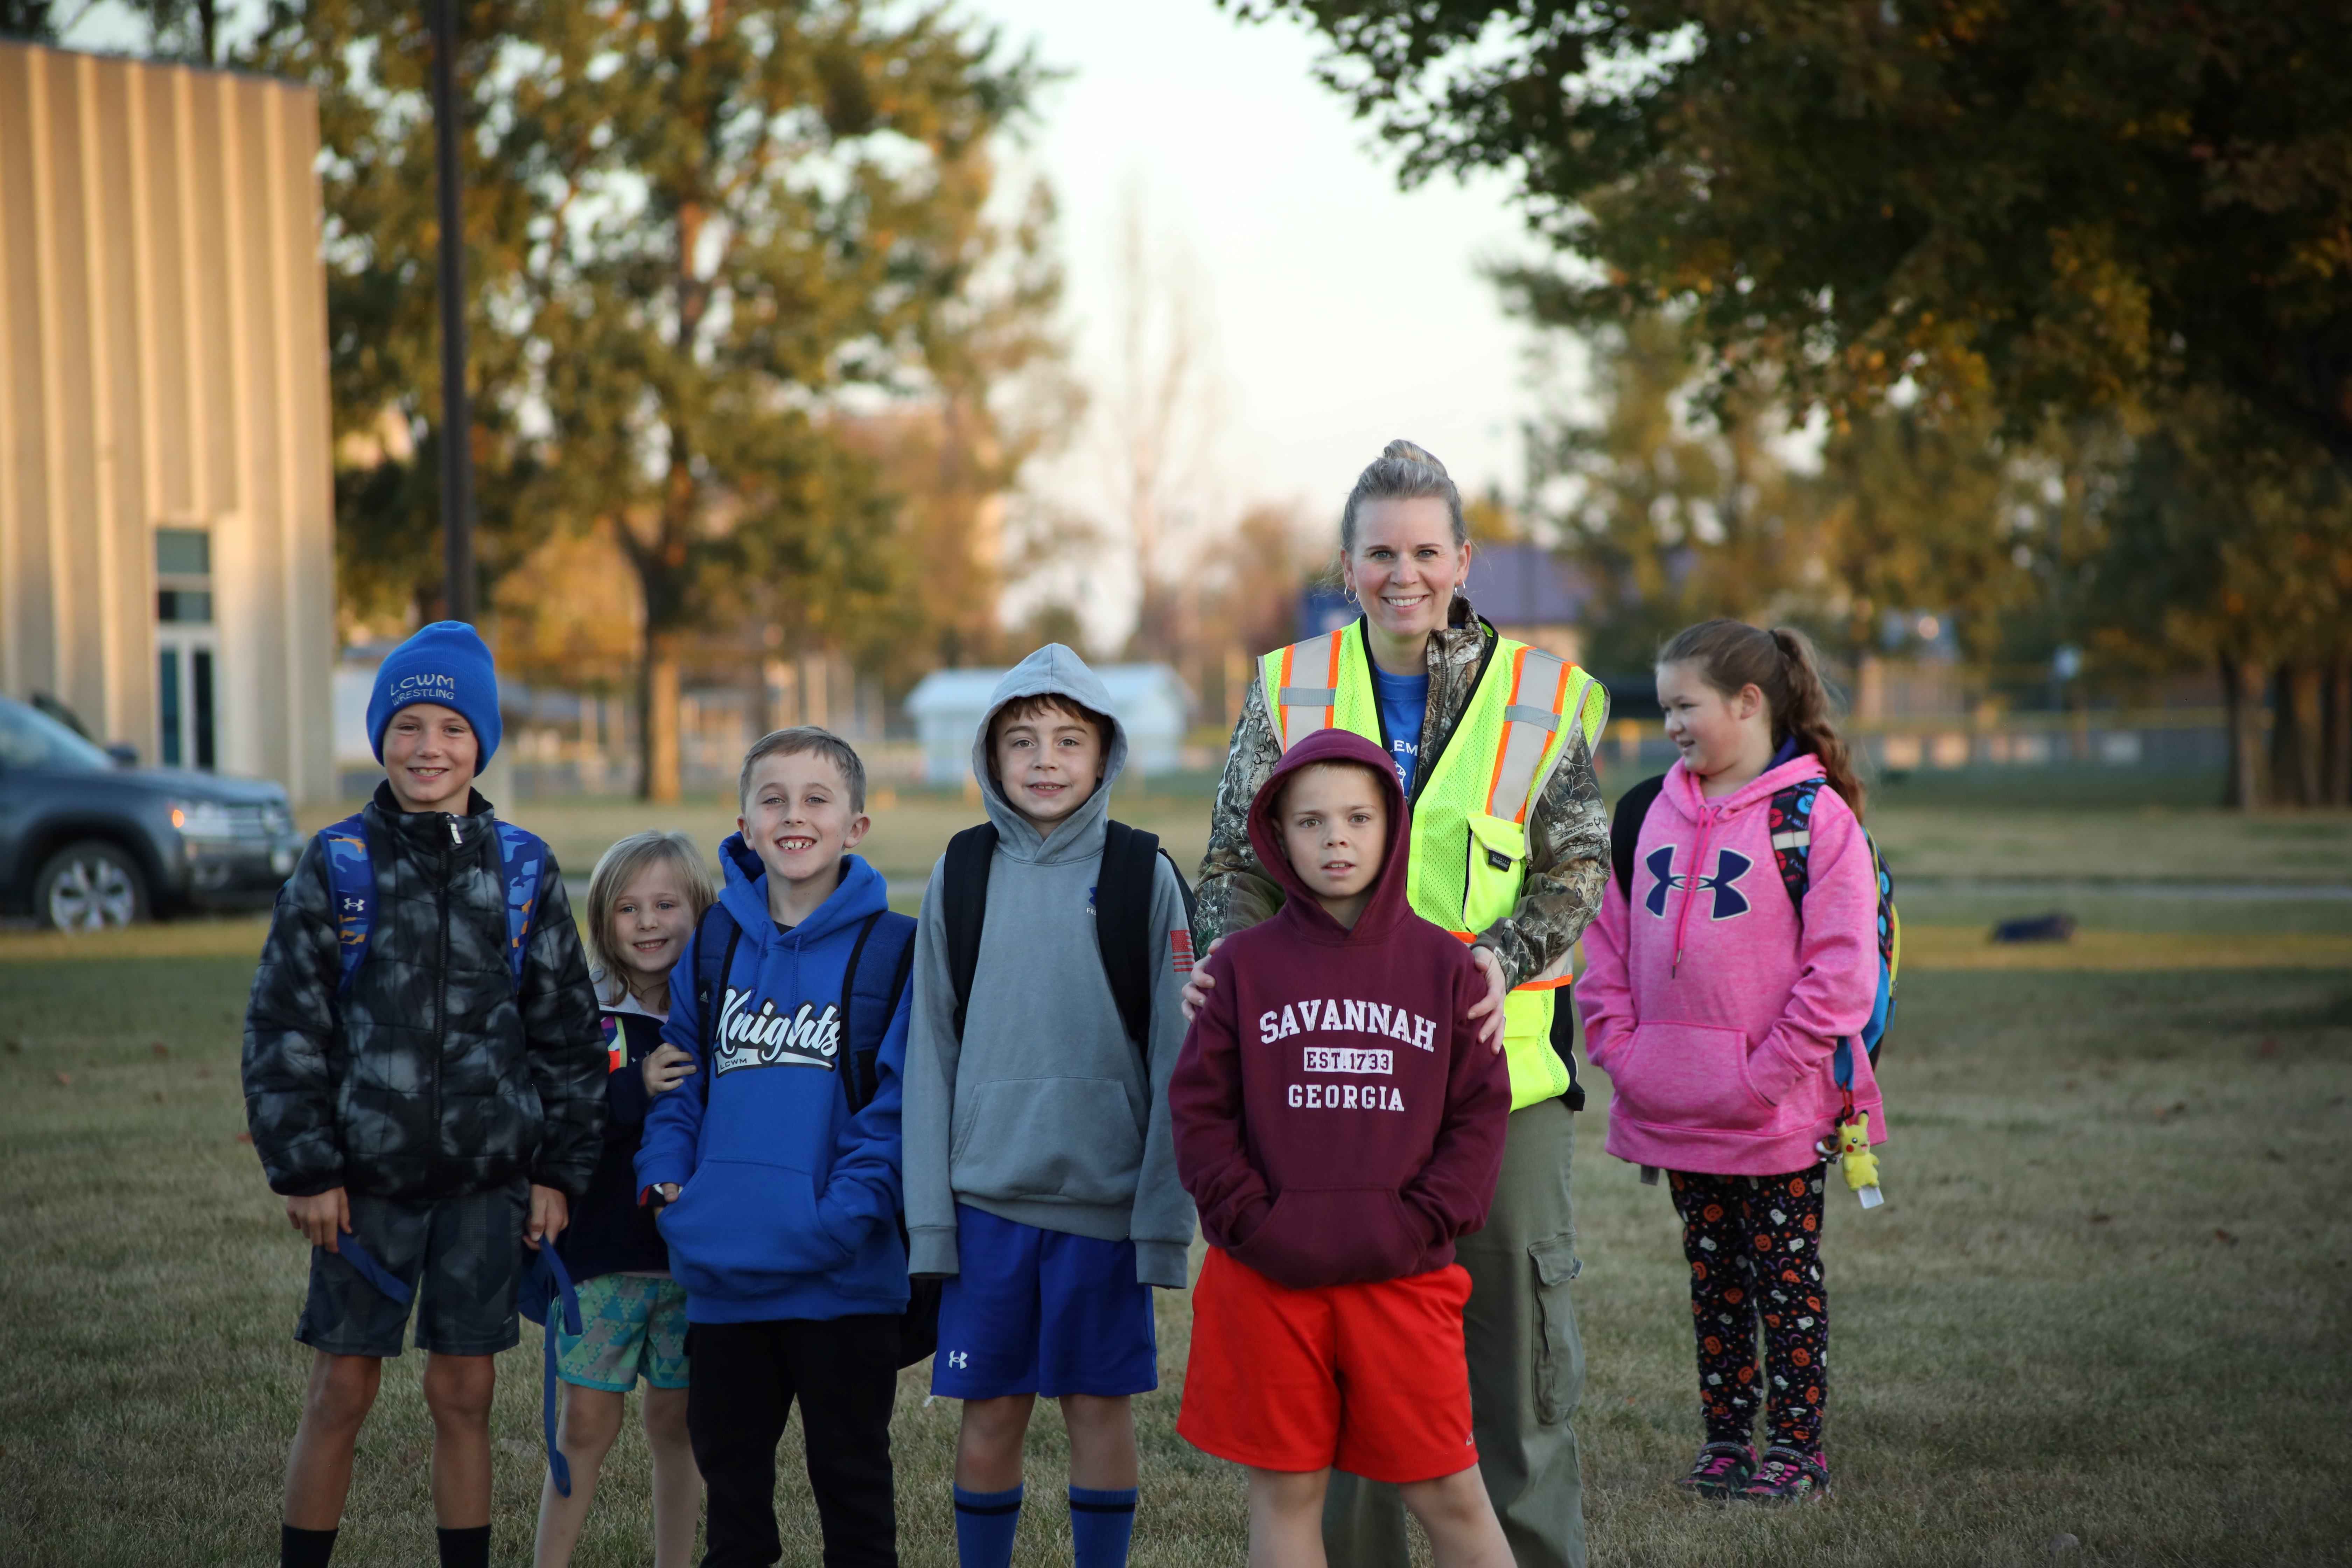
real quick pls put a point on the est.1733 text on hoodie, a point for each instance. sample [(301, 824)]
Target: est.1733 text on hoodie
[(1337, 1118)]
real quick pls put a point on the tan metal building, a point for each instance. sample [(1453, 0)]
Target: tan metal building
[(166, 505)]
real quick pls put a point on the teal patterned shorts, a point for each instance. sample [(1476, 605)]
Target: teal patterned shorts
[(635, 1324)]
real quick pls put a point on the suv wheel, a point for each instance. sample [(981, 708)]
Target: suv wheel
[(89, 887)]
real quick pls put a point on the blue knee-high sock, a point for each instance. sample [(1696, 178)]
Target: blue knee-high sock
[(1100, 1525), (984, 1525)]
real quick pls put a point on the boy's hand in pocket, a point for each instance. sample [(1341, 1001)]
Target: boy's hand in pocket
[(666, 1068)]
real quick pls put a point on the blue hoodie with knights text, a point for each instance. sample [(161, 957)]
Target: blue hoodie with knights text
[(787, 1204)]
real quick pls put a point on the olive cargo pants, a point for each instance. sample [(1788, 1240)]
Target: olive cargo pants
[(1526, 1368)]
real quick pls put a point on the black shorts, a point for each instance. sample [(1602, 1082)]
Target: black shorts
[(463, 1257)]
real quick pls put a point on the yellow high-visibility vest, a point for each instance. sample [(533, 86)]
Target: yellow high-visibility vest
[(1471, 795)]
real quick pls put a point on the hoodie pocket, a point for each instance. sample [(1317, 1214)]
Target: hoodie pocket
[(737, 1221), (1073, 1139), (1315, 1237), (1689, 1075)]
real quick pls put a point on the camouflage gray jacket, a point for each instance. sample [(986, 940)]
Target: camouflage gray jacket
[(433, 1079), (1568, 831)]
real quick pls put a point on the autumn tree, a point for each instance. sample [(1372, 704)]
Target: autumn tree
[(693, 229)]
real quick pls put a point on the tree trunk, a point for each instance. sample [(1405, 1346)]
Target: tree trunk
[(657, 750), (2336, 733), (2242, 687), (2295, 736)]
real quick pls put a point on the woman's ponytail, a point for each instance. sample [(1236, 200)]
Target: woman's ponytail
[(1732, 655), (1809, 716)]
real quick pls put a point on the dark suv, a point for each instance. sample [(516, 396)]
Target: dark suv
[(89, 843)]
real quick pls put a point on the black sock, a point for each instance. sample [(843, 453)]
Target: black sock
[(465, 1547), (304, 1547)]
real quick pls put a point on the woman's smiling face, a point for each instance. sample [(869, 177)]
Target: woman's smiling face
[(1405, 565)]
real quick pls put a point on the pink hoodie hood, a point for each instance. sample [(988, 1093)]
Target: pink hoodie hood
[(1715, 1011)]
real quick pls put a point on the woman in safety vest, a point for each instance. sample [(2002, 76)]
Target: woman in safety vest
[(1493, 741)]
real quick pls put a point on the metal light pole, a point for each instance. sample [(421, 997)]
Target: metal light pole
[(456, 418)]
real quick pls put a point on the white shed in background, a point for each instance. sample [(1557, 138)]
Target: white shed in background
[(1150, 700)]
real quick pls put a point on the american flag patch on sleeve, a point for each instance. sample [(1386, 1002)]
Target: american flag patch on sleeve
[(1180, 948)]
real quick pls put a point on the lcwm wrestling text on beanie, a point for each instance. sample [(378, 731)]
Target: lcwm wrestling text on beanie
[(446, 663)]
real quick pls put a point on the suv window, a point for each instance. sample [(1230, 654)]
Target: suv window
[(31, 738)]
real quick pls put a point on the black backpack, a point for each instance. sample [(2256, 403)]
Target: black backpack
[(880, 966), (1122, 919)]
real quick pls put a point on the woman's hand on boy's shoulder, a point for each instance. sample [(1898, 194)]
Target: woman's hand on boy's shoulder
[(1196, 990), (666, 1068), (1490, 970)]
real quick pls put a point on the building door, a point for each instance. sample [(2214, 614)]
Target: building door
[(187, 651)]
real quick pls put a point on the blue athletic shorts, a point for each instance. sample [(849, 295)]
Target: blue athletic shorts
[(1038, 1311)]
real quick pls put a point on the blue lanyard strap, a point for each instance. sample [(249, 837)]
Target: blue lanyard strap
[(548, 1285), (347, 1247)]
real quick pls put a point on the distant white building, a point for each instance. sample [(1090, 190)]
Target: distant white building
[(1150, 700)]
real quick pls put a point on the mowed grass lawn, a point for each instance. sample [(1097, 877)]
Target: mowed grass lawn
[(2110, 1297)]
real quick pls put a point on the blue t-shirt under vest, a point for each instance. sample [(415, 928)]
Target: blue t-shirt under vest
[(1403, 699)]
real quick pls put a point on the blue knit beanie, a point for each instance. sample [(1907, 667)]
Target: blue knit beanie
[(446, 663)]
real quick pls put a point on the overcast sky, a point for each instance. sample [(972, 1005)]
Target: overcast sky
[(1344, 311)]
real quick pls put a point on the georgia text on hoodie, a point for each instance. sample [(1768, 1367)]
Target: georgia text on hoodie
[(1337, 1118)]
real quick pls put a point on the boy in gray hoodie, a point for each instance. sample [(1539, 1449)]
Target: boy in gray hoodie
[(1040, 1166)]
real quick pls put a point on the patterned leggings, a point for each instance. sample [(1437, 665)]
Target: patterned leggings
[(1754, 1244)]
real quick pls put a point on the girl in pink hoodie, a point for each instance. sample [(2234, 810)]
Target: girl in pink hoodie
[(1716, 1010)]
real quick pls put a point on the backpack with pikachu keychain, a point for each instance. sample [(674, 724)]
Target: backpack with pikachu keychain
[(1790, 820)]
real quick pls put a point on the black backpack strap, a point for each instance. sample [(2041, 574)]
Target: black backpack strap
[(713, 962), (851, 1063), (1625, 830), (1191, 909), (1123, 887), (964, 894), (1563, 1044)]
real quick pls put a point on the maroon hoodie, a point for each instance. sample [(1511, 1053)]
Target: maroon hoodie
[(1337, 1119)]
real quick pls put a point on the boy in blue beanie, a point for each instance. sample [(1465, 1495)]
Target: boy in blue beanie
[(424, 1083)]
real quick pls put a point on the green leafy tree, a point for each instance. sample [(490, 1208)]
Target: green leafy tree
[(691, 230), (2063, 201)]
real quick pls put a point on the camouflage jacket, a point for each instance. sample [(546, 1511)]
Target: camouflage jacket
[(433, 1079), (1568, 831)]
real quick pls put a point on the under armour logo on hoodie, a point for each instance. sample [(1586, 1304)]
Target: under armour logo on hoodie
[(1729, 867)]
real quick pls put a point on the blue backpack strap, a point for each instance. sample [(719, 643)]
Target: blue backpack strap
[(547, 1297), (374, 1273), (350, 880), (523, 857), (1792, 823)]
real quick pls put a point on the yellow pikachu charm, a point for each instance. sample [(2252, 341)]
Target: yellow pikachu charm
[(1856, 1160)]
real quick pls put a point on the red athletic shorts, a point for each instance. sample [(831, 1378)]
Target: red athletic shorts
[(1371, 1378)]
